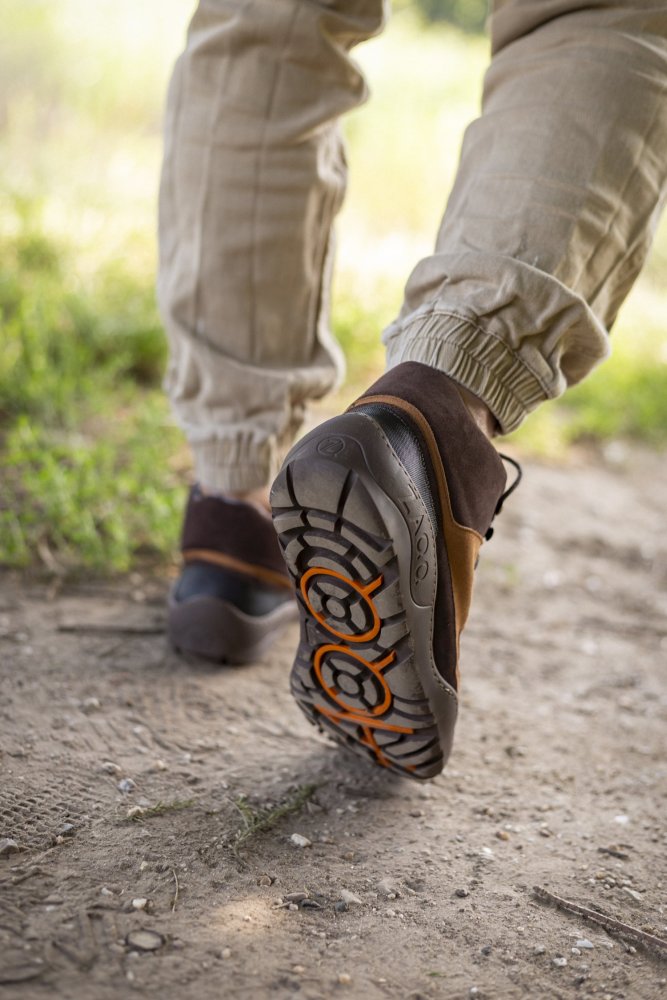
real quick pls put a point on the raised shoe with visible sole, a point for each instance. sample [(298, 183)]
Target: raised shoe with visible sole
[(233, 598), (380, 514)]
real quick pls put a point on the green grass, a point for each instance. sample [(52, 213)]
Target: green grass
[(92, 468)]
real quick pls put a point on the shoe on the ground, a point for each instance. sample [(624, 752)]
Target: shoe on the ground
[(233, 597), (380, 514)]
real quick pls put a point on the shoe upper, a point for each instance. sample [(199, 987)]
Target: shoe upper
[(458, 474), (231, 552)]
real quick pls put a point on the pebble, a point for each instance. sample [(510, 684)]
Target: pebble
[(386, 886), (295, 897), (226, 953), (140, 903), (341, 907), (298, 969), (584, 943), (292, 907), (539, 949), (344, 979), (126, 785), (349, 897), (462, 893), (264, 880), (109, 767), (300, 841), (144, 940), (134, 812), (502, 835), (559, 961), (390, 913), (90, 705), (637, 896), (105, 892), (8, 846)]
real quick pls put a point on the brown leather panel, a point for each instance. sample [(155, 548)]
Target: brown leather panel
[(474, 472), (235, 529), (238, 565)]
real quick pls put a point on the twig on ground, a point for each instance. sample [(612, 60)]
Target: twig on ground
[(92, 628), (261, 820), (175, 897), (650, 941)]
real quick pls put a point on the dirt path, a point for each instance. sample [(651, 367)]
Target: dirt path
[(558, 779)]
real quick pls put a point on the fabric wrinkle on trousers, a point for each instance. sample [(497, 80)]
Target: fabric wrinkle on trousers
[(558, 192)]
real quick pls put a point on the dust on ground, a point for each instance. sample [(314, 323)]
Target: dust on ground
[(558, 779)]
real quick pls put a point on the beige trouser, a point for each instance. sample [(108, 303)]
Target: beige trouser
[(557, 196)]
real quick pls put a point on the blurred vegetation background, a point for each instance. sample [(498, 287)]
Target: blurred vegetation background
[(92, 467)]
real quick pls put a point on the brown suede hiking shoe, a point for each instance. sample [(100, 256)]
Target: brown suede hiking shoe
[(233, 597), (380, 513)]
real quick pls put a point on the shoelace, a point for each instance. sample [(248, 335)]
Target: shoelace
[(508, 492)]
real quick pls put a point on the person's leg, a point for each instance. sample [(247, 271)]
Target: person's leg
[(559, 188), (382, 510), (254, 173)]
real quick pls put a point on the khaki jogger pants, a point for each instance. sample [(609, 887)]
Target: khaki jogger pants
[(558, 192)]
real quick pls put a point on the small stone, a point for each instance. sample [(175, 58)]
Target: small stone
[(109, 767), (8, 846), (144, 940), (89, 705), (226, 953), (140, 903), (298, 969), (637, 896), (300, 841), (264, 880), (135, 812), (416, 813), (126, 785), (539, 949), (105, 892), (390, 913), (559, 961), (502, 835), (292, 907), (160, 765), (341, 906), (462, 893), (344, 979), (486, 950), (584, 943), (349, 897), (576, 951), (295, 897), (386, 886)]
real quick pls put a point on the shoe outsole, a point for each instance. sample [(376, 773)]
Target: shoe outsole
[(216, 630), (360, 547)]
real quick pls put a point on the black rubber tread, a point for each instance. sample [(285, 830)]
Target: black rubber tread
[(356, 676), (217, 630)]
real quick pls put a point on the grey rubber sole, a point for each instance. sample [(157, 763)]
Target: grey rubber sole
[(360, 547), (217, 630)]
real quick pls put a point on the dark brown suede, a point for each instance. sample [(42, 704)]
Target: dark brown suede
[(235, 529), (475, 474)]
